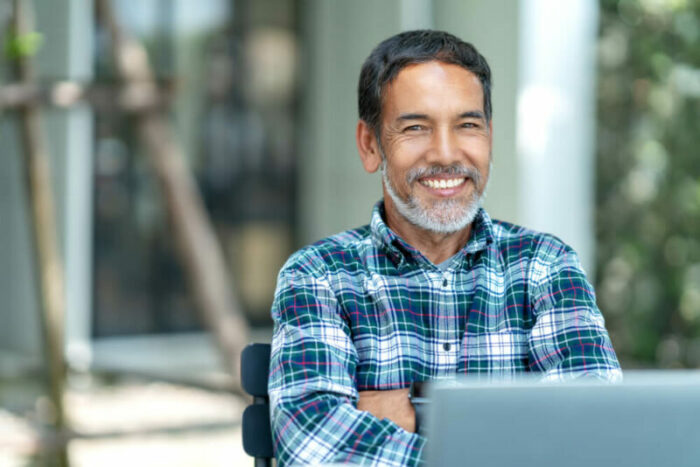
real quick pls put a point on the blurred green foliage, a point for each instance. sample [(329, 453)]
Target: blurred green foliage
[(23, 45), (648, 180)]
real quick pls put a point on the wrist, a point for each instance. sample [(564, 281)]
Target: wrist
[(418, 401)]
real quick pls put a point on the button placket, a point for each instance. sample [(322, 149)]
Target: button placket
[(445, 279), (442, 319)]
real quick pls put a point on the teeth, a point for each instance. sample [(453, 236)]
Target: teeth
[(442, 183)]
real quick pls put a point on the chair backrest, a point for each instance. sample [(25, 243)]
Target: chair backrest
[(257, 433)]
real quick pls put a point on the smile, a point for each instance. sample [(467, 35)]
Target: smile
[(442, 183)]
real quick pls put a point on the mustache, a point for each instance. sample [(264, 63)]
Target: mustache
[(454, 169)]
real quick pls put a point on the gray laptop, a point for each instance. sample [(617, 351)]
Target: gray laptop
[(651, 419)]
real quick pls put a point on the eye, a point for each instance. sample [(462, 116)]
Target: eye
[(414, 128), (469, 125)]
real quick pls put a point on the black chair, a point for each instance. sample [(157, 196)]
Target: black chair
[(257, 434)]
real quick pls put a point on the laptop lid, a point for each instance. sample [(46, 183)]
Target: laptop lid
[(651, 419)]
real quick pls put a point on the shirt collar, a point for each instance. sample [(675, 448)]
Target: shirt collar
[(402, 253)]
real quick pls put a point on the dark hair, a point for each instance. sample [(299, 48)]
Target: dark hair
[(406, 48)]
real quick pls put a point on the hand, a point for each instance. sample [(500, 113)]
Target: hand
[(392, 404)]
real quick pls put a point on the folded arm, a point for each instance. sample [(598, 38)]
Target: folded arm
[(313, 397), (569, 339)]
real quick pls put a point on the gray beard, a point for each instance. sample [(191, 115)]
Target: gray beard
[(446, 216)]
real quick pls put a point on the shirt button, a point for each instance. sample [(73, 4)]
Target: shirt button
[(444, 282), (446, 346)]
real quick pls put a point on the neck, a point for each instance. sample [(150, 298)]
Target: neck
[(437, 247)]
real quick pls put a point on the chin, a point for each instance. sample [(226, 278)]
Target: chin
[(444, 217)]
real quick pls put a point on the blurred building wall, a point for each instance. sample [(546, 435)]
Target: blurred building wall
[(18, 307)]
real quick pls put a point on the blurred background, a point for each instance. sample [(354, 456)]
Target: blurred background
[(596, 137)]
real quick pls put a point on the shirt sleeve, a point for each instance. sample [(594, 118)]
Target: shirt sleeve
[(313, 396), (569, 338)]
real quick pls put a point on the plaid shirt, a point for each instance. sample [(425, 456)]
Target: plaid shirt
[(363, 310)]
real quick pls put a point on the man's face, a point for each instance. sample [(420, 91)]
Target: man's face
[(436, 144)]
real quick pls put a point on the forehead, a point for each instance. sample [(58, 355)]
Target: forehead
[(435, 86)]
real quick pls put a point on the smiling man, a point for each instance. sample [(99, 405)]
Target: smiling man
[(432, 287)]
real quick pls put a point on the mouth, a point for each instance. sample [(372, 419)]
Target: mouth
[(442, 183), (444, 186)]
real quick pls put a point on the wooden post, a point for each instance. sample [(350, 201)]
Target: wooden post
[(49, 266)]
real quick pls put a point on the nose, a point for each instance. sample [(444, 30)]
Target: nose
[(444, 147)]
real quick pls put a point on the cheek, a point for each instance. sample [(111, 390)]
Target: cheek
[(485, 169), (484, 160), (397, 175), (478, 141), (402, 159), (479, 152), (407, 148)]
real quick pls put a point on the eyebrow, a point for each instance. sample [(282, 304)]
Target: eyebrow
[(473, 114), (415, 116), (412, 117)]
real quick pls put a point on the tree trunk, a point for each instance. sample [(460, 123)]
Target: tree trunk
[(195, 239), (47, 256)]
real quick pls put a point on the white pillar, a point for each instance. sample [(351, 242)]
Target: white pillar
[(556, 116)]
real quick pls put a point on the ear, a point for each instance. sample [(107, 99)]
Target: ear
[(491, 133), (368, 147)]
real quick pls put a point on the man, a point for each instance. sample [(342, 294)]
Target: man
[(432, 287)]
